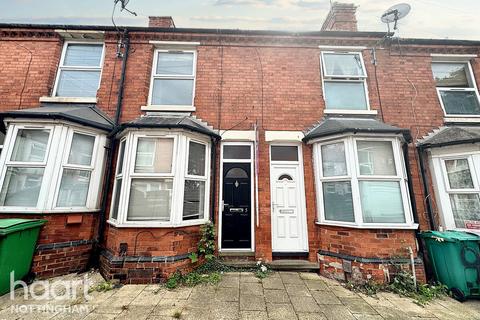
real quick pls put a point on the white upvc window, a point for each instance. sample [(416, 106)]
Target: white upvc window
[(173, 79), (457, 183), (361, 182), (77, 168), (51, 168), (162, 179), (456, 88), (344, 81), (80, 69)]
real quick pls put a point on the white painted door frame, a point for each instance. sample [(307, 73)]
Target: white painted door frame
[(220, 199), (302, 211)]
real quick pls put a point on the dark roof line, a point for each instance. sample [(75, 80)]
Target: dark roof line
[(361, 34), (338, 34)]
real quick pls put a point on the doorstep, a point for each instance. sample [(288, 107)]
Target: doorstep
[(280, 265)]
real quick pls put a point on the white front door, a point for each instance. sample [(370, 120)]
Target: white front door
[(289, 226)]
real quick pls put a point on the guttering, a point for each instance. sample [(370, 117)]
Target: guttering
[(404, 132), (164, 126), (341, 34), (338, 34), (56, 116)]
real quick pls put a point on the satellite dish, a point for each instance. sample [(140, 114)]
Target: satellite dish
[(395, 13)]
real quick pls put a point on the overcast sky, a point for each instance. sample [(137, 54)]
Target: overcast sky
[(456, 19)]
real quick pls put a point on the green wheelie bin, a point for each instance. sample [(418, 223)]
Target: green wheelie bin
[(18, 238), (454, 257)]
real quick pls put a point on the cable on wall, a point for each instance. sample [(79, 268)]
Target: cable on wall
[(26, 73)]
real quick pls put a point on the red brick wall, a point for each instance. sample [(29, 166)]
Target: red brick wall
[(65, 257), (241, 80), (153, 241)]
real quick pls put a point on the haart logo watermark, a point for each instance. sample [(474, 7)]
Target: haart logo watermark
[(60, 290)]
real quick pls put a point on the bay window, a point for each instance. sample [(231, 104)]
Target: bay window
[(361, 182), (162, 179), (456, 88), (344, 81), (50, 168)]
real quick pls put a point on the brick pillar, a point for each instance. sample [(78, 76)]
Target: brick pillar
[(341, 18), (161, 22)]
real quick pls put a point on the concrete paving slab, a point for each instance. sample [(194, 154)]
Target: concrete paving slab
[(358, 305), (291, 278), (315, 284), (325, 297), (255, 289), (311, 316), (276, 296), (338, 312), (297, 290), (309, 276), (252, 303), (304, 304), (280, 311), (227, 294), (273, 283), (253, 315)]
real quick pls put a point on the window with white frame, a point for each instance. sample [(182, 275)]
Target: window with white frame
[(79, 70), (33, 179), (77, 171), (461, 200), (456, 88), (164, 181), (361, 181), (2, 139), (173, 78), (344, 81), (118, 180)]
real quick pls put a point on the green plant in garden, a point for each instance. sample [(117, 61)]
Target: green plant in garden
[(206, 245), (174, 281)]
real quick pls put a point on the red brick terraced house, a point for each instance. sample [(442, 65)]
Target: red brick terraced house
[(324, 150)]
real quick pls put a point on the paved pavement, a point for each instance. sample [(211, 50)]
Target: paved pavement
[(284, 295)]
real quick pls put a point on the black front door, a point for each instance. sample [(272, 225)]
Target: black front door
[(237, 213)]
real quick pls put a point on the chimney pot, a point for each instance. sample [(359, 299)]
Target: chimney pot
[(161, 22), (341, 18)]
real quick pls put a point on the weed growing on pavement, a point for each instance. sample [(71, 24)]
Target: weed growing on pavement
[(262, 270), (102, 287), (403, 285)]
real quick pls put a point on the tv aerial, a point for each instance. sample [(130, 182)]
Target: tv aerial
[(395, 13)]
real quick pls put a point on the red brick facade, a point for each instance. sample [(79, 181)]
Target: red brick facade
[(273, 80)]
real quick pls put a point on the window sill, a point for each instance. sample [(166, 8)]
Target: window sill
[(7, 210), (341, 111), (370, 226), (151, 224), (68, 99), (462, 119), (168, 108)]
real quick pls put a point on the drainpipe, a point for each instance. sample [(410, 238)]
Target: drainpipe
[(421, 249), (110, 152), (426, 190), (213, 156)]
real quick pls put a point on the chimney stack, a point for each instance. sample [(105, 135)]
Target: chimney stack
[(160, 22), (341, 18)]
